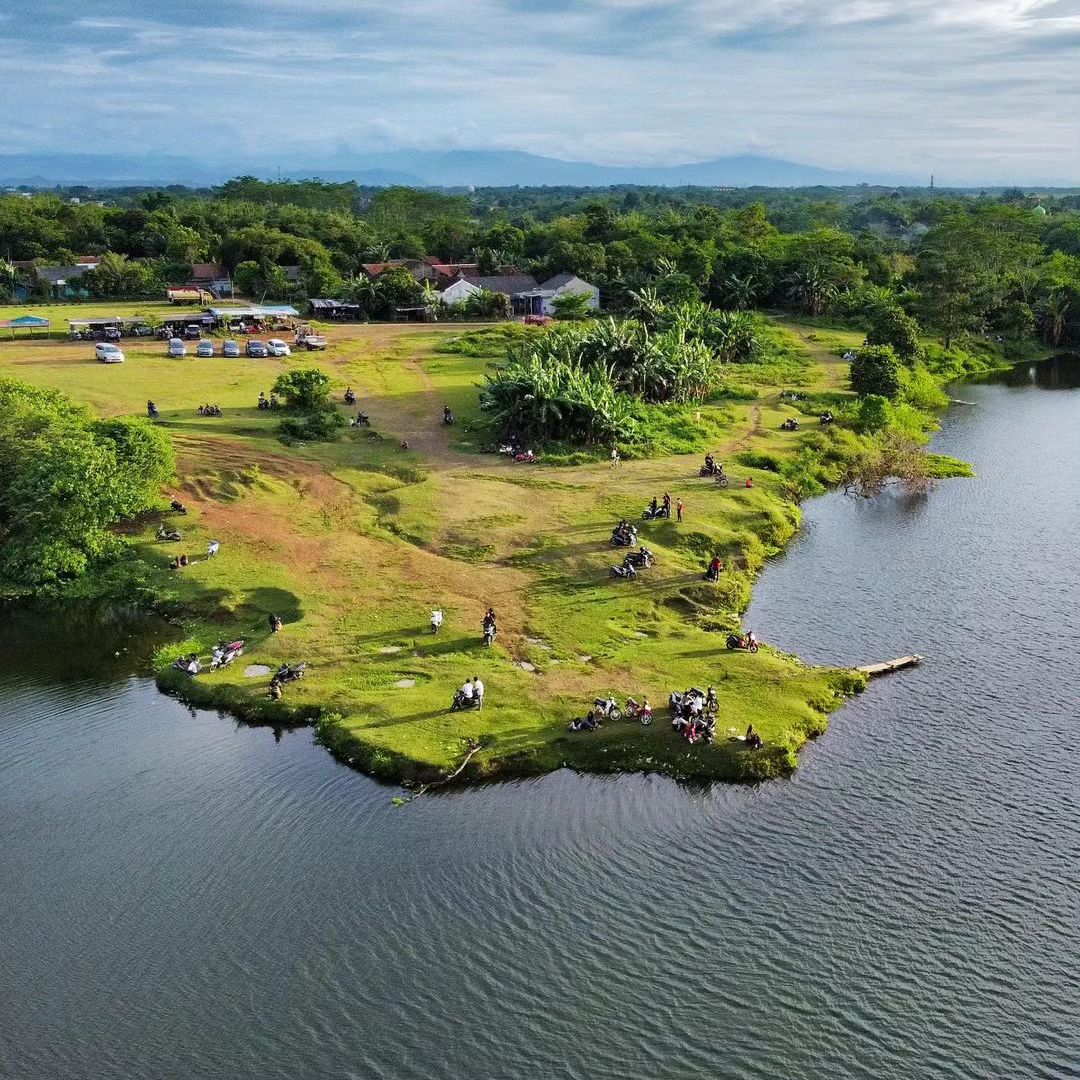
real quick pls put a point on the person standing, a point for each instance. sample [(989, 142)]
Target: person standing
[(615, 457), (667, 505), (678, 509)]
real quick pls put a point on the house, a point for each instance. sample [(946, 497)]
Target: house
[(539, 300), (63, 281)]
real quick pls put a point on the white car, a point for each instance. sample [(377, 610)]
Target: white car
[(276, 347), (108, 353)]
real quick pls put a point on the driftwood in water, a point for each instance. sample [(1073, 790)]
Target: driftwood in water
[(889, 666), (423, 788)]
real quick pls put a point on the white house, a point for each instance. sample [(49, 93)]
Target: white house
[(458, 292), (538, 301)]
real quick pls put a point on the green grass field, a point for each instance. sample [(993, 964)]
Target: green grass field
[(353, 543)]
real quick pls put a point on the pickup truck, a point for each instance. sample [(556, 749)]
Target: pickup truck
[(311, 341)]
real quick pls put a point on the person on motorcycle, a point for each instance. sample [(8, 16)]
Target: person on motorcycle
[(710, 464), (447, 415), (713, 573), (151, 410), (466, 694), (753, 739), (653, 506), (478, 691), (711, 704), (350, 397), (489, 618), (263, 403), (436, 620)]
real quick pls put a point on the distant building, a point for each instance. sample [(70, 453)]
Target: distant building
[(63, 281)]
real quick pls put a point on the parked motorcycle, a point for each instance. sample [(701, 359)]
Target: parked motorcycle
[(608, 708), (224, 654), (735, 641), (624, 571), (642, 712)]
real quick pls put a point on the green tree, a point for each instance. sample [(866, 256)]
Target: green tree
[(876, 370), (65, 479), (890, 325), (304, 389)]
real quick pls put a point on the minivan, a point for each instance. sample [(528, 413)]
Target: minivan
[(177, 347)]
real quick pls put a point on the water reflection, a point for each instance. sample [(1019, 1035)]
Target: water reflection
[(1057, 373)]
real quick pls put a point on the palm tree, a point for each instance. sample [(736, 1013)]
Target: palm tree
[(1056, 308), (811, 288)]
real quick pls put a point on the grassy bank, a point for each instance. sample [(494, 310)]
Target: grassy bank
[(353, 543)]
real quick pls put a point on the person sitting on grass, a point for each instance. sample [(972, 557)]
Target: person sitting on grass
[(752, 739)]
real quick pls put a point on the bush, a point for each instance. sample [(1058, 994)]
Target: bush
[(893, 327), (304, 389), (319, 426), (875, 370)]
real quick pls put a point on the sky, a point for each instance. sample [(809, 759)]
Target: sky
[(967, 89)]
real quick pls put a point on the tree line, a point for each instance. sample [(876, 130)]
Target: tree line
[(997, 265)]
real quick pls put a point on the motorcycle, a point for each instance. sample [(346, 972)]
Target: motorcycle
[(490, 633), (168, 534), (608, 708), (350, 397), (642, 712), (448, 417), (224, 654), (624, 571), (641, 559), (177, 507), (463, 703), (827, 418), (285, 673), (528, 458), (735, 641), (152, 410), (436, 621), (791, 424), (710, 469), (624, 538), (362, 420), (721, 478), (649, 514)]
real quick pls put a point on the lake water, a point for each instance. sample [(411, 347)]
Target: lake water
[(183, 897)]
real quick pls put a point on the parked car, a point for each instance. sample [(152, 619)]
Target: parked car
[(177, 347), (231, 349), (276, 347), (112, 333), (108, 354), (142, 330), (257, 349), (193, 331), (205, 348)]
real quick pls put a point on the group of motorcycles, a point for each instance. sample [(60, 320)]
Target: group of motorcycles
[(625, 535), (608, 709)]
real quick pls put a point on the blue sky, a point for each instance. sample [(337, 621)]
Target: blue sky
[(964, 88)]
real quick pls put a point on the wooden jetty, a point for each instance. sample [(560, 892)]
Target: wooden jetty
[(889, 666)]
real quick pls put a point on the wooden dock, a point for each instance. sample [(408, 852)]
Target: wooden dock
[(889, 666)]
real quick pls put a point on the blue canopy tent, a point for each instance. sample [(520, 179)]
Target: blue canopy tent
[(26, 322)]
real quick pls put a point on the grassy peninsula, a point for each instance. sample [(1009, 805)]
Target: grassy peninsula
[(353, 542)]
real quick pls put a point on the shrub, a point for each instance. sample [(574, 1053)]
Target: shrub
[(875, 370), (889, 325)]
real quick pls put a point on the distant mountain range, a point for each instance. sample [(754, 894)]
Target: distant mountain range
[(453, 168), (421, 168)]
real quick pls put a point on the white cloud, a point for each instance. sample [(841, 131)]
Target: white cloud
[(960, 86)]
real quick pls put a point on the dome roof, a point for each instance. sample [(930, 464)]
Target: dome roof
[(1040, 209)]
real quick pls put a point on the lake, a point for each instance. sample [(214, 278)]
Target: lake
[(181, 896)]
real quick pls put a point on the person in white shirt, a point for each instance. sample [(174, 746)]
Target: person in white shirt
[(212, 550), (478, 691), (436, 620), (466, 691)]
